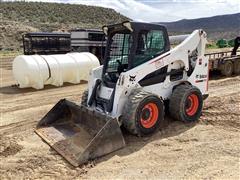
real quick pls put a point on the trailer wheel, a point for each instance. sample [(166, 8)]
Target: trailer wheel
[(227, 68), (186, 103), (143, 113), (84, 98), (236, 67)]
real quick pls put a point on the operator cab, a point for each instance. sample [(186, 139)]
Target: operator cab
[(130, 44)]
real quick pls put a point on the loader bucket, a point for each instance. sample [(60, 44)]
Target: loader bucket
[(79, 133)]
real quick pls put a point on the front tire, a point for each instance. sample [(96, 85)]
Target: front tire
[(143, 113), (186, 103)]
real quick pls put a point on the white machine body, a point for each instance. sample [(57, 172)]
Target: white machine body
[(178, 57)]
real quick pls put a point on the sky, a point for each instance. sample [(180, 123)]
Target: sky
[(163, 10)]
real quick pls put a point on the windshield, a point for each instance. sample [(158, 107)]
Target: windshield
[(150, 44)]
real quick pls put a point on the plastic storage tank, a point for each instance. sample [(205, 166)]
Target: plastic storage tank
[(39, 70)]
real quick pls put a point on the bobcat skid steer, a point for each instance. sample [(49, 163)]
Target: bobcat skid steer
[(139, 76)]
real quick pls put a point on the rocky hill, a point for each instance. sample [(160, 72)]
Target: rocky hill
[(217, 27), (17, 18)]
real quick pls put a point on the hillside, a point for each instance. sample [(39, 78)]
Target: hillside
[(224, 26), (20, 17), (17, 18)]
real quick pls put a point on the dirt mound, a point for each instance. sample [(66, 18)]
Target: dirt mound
[(8, 147), (222, 111)]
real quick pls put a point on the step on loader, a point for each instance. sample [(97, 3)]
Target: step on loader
[(139, 75)]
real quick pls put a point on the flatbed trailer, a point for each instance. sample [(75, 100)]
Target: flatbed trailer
[(224, 62)]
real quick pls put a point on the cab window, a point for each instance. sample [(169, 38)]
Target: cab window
[(150, 44)]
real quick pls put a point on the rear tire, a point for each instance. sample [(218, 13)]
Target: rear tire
[(84, 98), (186, 103), (143, 113), (236, 67), (227, 68)]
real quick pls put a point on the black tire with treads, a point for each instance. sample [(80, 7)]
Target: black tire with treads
[(178, 101), (132, 112), (236, 66), (227, 68)]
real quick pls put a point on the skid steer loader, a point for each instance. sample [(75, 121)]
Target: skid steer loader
[(140, 75)]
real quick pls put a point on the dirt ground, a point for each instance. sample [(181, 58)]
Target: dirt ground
[(208, 149)]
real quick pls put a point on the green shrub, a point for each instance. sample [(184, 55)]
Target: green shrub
[(221, 43)]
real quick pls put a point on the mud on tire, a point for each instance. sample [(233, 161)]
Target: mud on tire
[(84, 98), (143, 113), (186, 103)]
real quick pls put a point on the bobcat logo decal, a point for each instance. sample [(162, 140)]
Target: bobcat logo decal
[(132, 78)]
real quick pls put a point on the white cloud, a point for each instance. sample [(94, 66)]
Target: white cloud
[(163, 10)]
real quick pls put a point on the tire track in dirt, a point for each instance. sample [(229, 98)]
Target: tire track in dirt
[(39, 98), (21, 109)]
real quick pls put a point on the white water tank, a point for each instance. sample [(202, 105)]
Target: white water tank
[(38, 70)]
